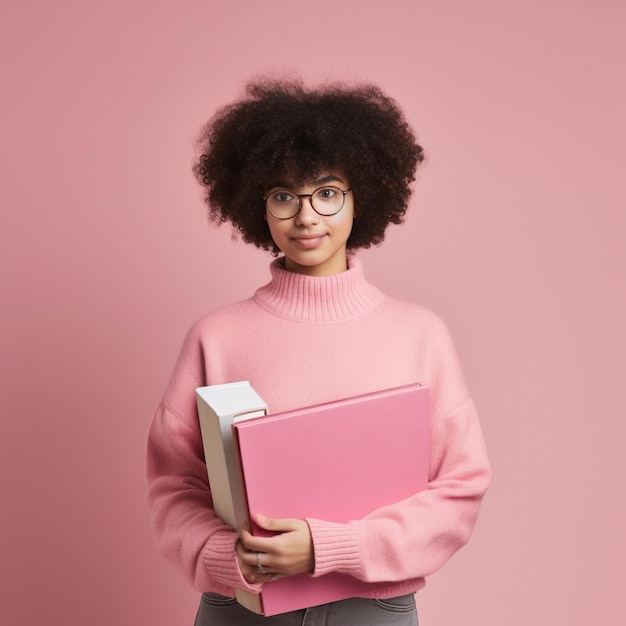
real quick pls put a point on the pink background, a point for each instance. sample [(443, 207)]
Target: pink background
[(515, 237)]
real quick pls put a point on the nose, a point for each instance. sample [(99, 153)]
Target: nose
[(307, 214)]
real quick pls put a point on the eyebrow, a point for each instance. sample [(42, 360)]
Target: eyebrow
[(328, 179), (331, 178)]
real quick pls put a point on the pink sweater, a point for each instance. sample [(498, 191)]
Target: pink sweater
[(300, 341)]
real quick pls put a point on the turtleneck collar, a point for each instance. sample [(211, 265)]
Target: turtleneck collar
[(331, 298)]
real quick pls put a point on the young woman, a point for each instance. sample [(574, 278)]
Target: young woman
[(312, 175)]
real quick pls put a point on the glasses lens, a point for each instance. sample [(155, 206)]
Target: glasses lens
[(283, 204), (327, 200)]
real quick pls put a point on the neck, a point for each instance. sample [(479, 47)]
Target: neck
[(334, 297), (333, 266), (316, 263)]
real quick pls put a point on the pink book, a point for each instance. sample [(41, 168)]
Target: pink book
[(336, 462)]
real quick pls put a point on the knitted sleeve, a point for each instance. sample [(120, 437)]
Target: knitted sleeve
[(186, 527), (415, 537)]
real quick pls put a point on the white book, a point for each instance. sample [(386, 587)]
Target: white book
[(219, 406)]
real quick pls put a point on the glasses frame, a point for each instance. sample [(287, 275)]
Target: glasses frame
[(310, 196)]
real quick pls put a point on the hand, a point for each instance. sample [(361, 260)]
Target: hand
[(288, 553)]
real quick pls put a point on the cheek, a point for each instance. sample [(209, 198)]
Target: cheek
[(346, 221), (276, 231)]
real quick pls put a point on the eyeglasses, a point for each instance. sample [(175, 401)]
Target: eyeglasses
[(284, 204)]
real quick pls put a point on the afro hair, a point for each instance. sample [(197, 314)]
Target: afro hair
[(282, 128)]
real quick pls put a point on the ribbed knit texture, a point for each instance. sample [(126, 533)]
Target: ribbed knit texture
[(337, 297), (304, 340)]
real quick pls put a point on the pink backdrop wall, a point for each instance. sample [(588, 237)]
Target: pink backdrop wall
[(515, 237)]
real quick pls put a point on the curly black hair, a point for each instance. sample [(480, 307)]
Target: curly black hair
[(282, 128)]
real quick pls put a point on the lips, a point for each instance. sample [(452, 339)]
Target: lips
[(308, 242)]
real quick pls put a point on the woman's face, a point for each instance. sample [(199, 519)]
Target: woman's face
[(313, 244)]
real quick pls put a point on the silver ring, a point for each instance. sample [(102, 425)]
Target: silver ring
[(259, 567)]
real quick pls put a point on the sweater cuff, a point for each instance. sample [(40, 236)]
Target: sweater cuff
[(221, 560), (336, 548)]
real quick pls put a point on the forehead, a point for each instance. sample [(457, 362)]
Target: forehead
[(293, 182)]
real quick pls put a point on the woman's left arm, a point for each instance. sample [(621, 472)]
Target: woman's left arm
[(415, 537)]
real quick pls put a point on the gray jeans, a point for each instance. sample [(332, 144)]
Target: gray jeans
[(217, 610)]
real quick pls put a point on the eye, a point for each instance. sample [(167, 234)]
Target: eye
[(282, 196), (326, 193)]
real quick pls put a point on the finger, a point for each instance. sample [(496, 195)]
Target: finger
[(252, 544), (255, 543), (245, 535), (276, 524), (249, 567), (252, 561), (257, 562)]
